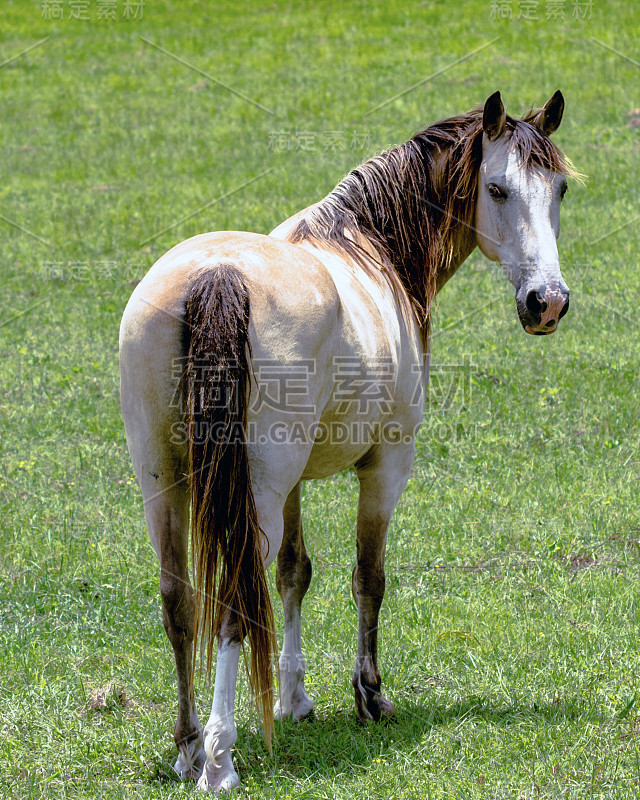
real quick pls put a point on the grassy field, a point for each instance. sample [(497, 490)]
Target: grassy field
[(509, 633)]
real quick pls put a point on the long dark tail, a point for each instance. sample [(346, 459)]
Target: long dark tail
[(228, 566)]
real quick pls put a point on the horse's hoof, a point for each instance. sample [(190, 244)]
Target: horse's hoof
[(219, 774), (189, 765), (375, 708), (303, 708), (190, 771), (220, 777), (300, 708), (280, 711), (387, 709)]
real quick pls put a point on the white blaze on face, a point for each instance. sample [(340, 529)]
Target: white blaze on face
[(518, 223)]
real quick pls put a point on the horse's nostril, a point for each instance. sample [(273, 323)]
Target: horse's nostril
[(565, 308), (551, 323), (534, 303)]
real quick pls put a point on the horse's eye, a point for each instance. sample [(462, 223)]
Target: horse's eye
[(563, 191), (496, 192)]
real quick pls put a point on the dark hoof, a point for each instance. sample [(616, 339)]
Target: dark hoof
[(371, 706), (387, 709)]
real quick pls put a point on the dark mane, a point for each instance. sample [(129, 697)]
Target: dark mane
[(411, 213)]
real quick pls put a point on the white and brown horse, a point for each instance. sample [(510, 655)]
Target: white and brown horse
[(250, 363)]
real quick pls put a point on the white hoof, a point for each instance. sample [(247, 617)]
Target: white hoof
[(298, 708), (281, 711), (219, 777), (218, 774)]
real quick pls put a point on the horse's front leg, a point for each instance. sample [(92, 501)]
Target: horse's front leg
[(383, 474)]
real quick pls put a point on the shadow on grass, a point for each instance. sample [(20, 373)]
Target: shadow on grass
[(335, 743)]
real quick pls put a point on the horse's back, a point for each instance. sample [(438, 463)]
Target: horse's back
[(285, 282)]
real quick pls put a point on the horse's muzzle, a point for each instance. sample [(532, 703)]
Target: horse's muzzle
[(541, 311)]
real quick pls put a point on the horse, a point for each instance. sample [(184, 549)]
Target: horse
[(251, 363)]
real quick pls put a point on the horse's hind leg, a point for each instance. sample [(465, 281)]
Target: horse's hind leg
[(167, 514), (150, 347), (293, 575), (382, 475), (160, 472), (220, 732)]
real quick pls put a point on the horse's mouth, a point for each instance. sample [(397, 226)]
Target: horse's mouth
[(545, 330), (540, 317)]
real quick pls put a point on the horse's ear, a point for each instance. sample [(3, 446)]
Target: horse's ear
[(494, 118), (548, 119)]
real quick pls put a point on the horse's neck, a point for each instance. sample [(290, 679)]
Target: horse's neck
[(465, 239), (464, 244)]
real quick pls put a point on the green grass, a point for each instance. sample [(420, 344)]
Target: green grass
[(509, 633)]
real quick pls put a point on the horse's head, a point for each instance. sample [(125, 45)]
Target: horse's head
[(518, 210)]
